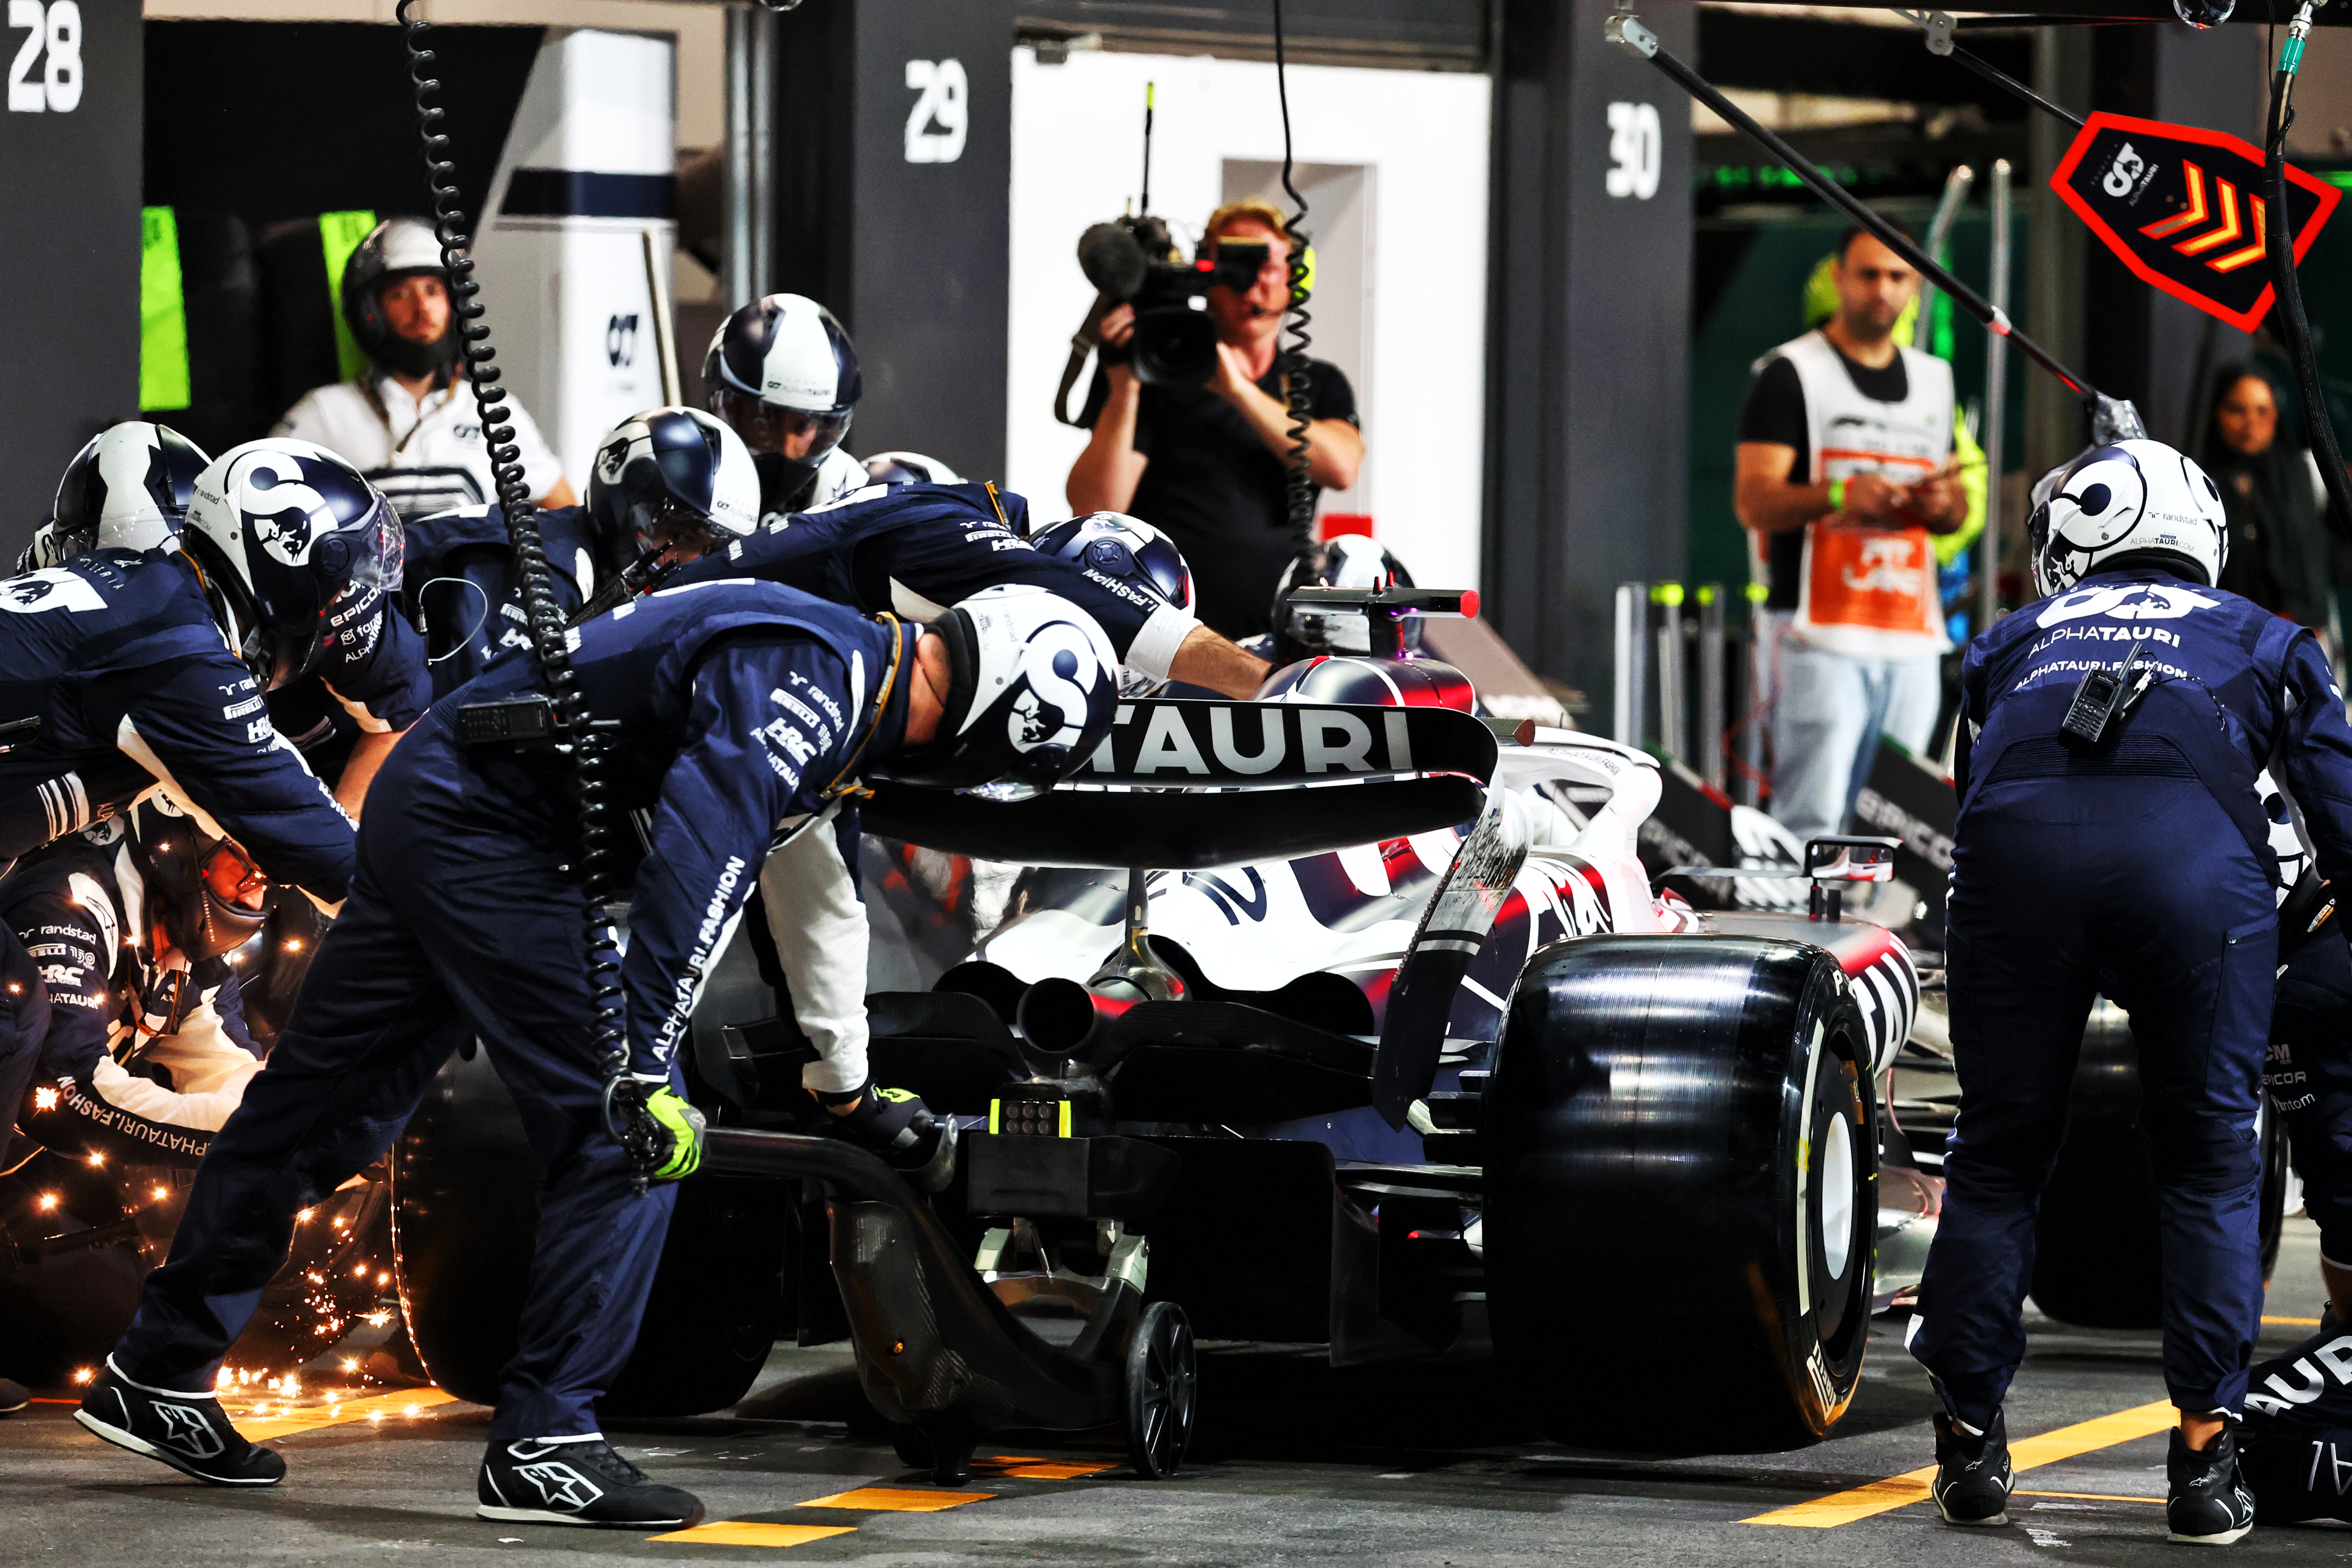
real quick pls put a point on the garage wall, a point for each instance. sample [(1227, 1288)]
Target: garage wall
[(1076, 159)]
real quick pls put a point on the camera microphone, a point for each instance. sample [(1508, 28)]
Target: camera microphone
[(1112, 259)]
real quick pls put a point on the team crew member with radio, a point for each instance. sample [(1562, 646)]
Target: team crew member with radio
[(1208, 465), (783, 375), (744, 712), (1843, 473), (408, 421), (132, 488), (2113, 735)]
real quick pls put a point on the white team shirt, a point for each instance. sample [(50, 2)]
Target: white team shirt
[(425, 455)]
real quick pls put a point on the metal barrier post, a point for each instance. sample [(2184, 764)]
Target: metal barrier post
[(1673, 713), (1996, 411), (1710, 683), (1633, 672)]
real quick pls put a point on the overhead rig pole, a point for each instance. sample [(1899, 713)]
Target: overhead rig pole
[(2112, 418)]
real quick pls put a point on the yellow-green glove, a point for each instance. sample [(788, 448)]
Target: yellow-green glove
[(684, 1126)]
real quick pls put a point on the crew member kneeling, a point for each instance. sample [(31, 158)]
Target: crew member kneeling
[(741, 714), (2113, 841)]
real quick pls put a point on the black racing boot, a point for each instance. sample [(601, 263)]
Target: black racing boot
[(189, 1432), (576, 1481), (14, 1396), (2210, 1505), (1972, 1473)]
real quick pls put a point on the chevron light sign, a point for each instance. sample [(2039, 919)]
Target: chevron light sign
[(2187, 210)]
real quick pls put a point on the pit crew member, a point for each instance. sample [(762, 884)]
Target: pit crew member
[(135, 922), (783, 375), (126, 672), (132, 488), (408, 420), (2111, 840), (912, 548), (661, 474), (743, 713)]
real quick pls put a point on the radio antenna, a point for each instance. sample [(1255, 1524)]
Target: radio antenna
[(1144, 208)]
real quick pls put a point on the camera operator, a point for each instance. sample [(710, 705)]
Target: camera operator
[(1205, 463)]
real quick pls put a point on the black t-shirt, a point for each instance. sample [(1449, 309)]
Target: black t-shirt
[(1775, 413), (1212, 486)]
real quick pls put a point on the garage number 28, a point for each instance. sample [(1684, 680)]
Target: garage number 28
[(45, 75)]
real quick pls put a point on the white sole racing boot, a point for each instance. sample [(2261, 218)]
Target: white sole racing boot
[(2210, 1505), (579, 1481), (1972, 1472), (189, 1432)]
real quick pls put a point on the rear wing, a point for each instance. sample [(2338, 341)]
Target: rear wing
[(1183, 784)]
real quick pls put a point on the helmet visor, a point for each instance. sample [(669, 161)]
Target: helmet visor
[(797, 433)]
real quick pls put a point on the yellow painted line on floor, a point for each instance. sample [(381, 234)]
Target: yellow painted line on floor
[(408, 1402), (2291, 1323), (1028, 1469), (750, 1533), (2094, 1497), (898, 1499), (1913, 1486)]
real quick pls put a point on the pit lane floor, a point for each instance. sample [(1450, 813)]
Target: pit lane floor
[(1293, 1464)]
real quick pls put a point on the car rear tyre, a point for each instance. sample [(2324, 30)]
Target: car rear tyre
[(1682, 1192), (464, 1219), (2098, 1255)]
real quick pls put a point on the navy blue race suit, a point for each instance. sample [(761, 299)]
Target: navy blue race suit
[(742, 710), (136, 1066), (2140, 869), (2297, 1437), (116, 676), (2310, 1083), (463, 593), (914, 549), (113, 655)]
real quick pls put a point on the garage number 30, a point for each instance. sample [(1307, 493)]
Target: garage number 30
[(45, 75)]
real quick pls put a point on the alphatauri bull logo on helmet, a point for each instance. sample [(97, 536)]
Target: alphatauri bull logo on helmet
[(283, 510), (1052, 710)]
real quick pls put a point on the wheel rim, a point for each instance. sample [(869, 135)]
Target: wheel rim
[(1165, 1380), (1837, 1197)]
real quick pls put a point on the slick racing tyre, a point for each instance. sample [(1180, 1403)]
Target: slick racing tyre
[(1682, 1192), (2097, 1256), (465, 1216)]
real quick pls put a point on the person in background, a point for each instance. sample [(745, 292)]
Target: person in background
[(2276, 501), (1207, 465), (1844, 476), (408, 421)]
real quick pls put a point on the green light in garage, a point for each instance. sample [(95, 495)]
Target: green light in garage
[(2339, 178), (163, 314), (339, 235)]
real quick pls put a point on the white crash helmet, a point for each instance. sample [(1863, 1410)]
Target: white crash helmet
[(672, 475), (1124, 548), (1033, 686), (129, 488), (2135, 501)]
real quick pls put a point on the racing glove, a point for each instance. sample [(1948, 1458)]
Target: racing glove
[(893, 1122), (684, 1127)]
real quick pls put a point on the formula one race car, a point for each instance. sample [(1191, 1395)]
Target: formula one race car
[(1342, 1017)]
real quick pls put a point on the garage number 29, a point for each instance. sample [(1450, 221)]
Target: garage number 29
[(45, 75), (937, 124)]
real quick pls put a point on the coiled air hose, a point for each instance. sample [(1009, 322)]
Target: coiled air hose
[(623, 1107), (1297, 396)]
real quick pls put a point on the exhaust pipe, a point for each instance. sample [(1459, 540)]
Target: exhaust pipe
[(1065, 1019)]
